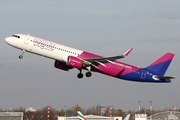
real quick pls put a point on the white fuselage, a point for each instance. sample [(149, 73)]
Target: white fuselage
[(42, 47)]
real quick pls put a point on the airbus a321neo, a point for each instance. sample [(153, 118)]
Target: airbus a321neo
[(67, 58)]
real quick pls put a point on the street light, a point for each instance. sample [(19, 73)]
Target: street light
[(139, 107), (65, 109)]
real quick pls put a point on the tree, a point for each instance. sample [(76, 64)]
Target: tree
[(62, 113), (77, 108), (118, 112)]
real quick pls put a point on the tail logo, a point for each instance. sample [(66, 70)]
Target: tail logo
[(80, 115)]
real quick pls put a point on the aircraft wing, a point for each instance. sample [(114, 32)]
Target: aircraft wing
[(96, 61)]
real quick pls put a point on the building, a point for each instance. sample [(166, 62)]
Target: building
[(167, 115), (11, 115), (140, 117), (90, 117), (30, 110)]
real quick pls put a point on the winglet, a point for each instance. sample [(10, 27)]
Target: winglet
[(127, 53), (80, 115), (127, 117)]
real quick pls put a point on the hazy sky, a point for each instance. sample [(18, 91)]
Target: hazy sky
[(103, 27)]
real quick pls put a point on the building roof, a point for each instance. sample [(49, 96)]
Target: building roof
[(11, 113), (30, 109), (89, 116), (165, 115)]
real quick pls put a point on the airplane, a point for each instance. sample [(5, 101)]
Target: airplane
[(67, 58), (81, 116), (127, 117)]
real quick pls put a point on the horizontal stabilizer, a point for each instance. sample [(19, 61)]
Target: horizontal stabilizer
[(164, 77)]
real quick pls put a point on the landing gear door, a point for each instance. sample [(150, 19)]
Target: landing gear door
[(143, 75), (26, 40)]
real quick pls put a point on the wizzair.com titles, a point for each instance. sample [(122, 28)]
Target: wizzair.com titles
[(43, 44), (122, 65)]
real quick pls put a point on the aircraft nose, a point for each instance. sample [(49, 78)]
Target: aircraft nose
[(7, 40)]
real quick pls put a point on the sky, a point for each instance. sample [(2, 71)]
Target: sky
[(103, 27)]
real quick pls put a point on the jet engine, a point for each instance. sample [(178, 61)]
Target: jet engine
[(75, 62), (61, 65)]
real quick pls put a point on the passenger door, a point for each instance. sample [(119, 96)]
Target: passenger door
[(26, 40), (143, 75)]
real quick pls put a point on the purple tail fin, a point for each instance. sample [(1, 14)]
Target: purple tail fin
[(160, 66)]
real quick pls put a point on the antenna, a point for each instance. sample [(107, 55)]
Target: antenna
[(48, 107), (174, 111), (150, 110)]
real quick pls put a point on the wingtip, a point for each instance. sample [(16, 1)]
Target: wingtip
[(127, 53)]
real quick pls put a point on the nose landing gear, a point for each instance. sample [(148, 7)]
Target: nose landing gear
[(21, 56)]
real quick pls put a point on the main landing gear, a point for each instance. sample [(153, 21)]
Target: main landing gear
[(88, 74), (80, 75), (21, 56)]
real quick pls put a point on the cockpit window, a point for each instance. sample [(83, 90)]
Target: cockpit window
[(16, 36)]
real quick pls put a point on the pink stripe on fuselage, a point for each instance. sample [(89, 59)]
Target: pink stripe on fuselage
[(111, 69), (166, 57)]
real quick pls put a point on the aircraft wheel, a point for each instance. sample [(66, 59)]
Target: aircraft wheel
[(88, 74), (80, 75), (20, 57)]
